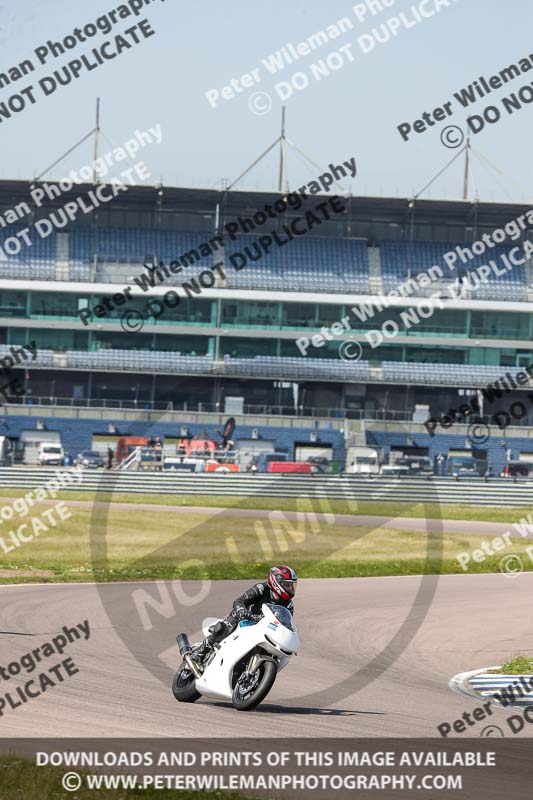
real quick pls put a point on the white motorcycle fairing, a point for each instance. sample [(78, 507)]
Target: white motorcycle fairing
[(278, 641)]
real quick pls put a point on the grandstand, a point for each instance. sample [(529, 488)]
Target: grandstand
[(309, 264), (400, 260), (238, 337)]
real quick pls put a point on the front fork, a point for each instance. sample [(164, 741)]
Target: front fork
[(256, 659), (193, 666)]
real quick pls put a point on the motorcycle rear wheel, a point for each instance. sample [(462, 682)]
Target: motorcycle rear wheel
[(244, 700), (183, 686)]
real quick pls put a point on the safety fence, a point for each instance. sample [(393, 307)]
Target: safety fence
[(501, 492)]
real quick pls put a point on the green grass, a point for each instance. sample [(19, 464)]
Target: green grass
[(22, 780), (518, 665), (381, 508), (105, 544)]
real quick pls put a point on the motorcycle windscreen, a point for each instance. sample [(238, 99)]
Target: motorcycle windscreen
[(283, 615)]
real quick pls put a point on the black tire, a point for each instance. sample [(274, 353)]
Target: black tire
[(183, 687), (268, 671)]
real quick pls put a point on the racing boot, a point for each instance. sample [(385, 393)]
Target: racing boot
[(201, 652), (217, 633)]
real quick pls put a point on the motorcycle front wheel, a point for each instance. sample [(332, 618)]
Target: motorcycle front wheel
[(250, 690), (183, 686)]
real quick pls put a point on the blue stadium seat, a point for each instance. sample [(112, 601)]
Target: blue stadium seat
[(400, 260), (35, 262), (307, 263), (310, 264), (465, 375)]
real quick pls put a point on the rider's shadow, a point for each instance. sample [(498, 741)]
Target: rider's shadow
[(271, 708)]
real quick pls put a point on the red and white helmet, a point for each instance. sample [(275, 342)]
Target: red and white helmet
[(282, 582)]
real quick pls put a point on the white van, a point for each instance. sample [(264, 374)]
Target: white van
[(363, 461), (50, 455)]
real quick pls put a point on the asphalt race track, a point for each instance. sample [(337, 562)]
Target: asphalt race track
[(420, 524), (472, 622)]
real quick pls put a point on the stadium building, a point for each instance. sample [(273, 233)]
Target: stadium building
[(379, 312)]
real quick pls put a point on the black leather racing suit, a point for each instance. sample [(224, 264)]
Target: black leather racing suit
[(245, 606)]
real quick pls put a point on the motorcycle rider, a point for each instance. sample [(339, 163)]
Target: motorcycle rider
[(279, 588)]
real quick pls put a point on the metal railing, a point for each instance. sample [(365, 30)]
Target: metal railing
[(212, 408), (131, 269), (378, 488), (141, 404), (300, 412)]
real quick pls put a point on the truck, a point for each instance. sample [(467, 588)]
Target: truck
[(465, 467), (362, 461), (278, 461), (204, 455), (299, 467), (126, 444)]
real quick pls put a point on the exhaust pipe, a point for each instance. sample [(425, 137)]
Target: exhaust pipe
[(183, 644), (185, 651)]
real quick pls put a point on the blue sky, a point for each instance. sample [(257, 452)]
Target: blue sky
[(354, 112)]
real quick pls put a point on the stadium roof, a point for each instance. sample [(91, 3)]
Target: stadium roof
[(197, 202)]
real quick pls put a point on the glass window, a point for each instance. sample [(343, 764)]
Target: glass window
[(50, 339), (109, 340), (448, 322), (500, 325), (189, 311), (328, 314), (247, 348), (299, 315), (249, 313), (54, 304), (435, 355), (229, 313), (327, 350), (184, 345), (12, 304)]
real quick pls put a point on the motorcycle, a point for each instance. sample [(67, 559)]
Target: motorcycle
[(244, 666)]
